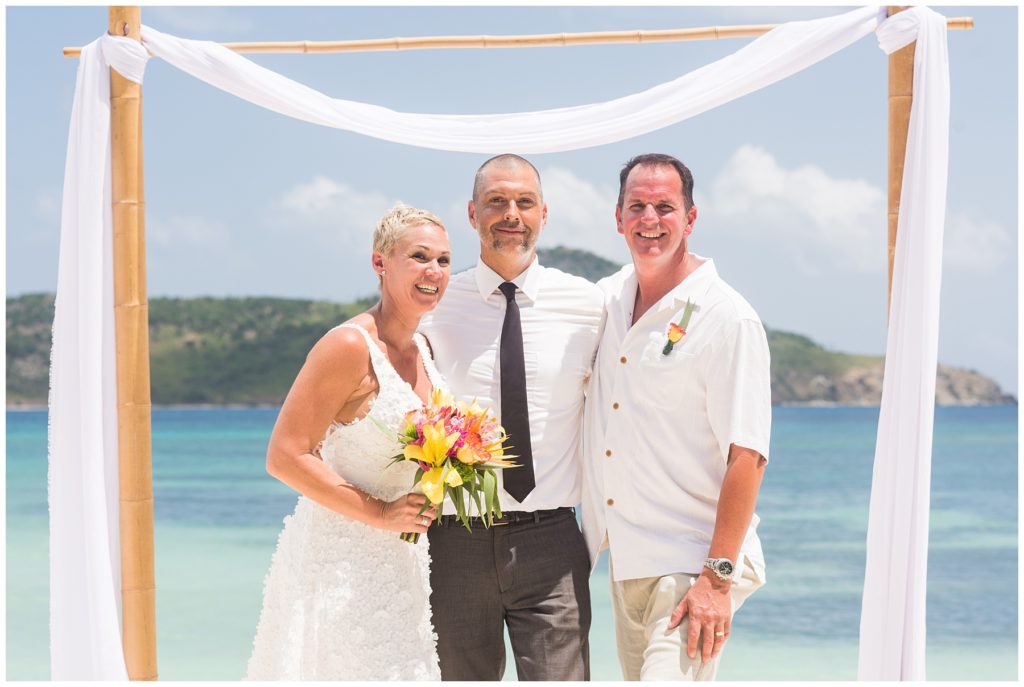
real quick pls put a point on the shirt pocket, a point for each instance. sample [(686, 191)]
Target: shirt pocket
[(666, 376), (653, 352)]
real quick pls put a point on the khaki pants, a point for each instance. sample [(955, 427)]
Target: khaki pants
[(643, 607)]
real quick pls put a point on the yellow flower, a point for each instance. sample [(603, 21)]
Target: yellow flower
[(435, 445), (440, 399), (675, 332), (470, 409), (433, 482)]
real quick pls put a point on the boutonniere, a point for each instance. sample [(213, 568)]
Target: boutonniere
[(676, 332)]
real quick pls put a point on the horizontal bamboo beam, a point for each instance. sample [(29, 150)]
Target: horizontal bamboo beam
[(527, 41)]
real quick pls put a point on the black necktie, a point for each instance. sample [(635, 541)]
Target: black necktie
[(515, 417)]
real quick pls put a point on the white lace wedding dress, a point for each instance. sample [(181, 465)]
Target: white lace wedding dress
[(344, 600)]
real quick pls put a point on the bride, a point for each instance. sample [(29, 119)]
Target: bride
[(346, 598)]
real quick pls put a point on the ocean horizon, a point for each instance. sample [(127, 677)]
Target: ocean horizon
[(218, 515)]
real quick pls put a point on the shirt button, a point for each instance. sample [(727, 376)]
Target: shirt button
[(608, 453), (611, 502), (615, 406), (622, 360)]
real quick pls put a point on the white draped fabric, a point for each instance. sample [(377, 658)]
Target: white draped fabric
[(85, 562), (83, 475), (892, 621), (776, 55)]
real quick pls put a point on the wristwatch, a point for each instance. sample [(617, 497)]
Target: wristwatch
[(722, 567)]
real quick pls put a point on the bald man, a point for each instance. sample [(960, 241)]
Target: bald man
[(529, 571)]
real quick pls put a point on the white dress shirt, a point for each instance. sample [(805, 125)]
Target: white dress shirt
[(658, 427), (561, 318)]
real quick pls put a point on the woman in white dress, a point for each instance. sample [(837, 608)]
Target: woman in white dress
[(346, 598)]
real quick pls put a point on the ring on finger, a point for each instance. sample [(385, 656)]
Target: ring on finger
[(719, 634), (424, 520)]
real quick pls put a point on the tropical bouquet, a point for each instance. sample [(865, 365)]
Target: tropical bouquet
[(457, 447)]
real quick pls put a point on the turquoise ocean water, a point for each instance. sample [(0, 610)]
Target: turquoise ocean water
[(218, 515)]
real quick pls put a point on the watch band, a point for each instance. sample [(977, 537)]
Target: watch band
[(722, 567)]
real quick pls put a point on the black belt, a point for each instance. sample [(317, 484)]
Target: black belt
[(510, 517)]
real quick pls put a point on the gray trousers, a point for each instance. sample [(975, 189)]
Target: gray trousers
[(531, 576)]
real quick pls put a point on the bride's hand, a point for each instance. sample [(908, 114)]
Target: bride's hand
[(403, 514)]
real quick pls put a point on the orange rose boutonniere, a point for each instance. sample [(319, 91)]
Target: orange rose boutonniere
[(676, 332)]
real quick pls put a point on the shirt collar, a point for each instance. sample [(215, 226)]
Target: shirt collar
[(694, 286), (528, 281)]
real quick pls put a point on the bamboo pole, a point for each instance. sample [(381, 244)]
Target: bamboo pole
[(901, 96), (131, 322), (524, 41)]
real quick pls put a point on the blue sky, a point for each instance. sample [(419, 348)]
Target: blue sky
[(790, 181)]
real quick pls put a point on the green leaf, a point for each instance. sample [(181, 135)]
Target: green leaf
[(382, 427), (460, 503), (396, 459), (416, 477), (491, 492), (475, 495), (459, 500), (685, 321), (465, 471)]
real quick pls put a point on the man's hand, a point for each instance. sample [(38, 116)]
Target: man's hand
[(709, 605)]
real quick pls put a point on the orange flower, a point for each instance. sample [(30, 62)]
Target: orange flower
[(473, 449), (675, 332)]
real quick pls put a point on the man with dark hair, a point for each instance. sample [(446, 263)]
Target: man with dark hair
[(521, 339), (656, 160), (677, 429)]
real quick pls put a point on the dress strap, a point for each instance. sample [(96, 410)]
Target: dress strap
[(428, 362), (380, 362)]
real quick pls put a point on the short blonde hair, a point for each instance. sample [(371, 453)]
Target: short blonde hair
[(396, 222)]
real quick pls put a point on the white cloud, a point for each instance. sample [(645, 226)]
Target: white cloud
[(331, 208), (200, 21), (581, 215), (828, 221), (975, 244), (183, 230), (825, 222)]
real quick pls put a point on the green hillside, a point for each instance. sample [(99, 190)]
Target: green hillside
[(579, 262), (248, 350), (202, 350)]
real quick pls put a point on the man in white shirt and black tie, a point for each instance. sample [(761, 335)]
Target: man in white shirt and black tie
[(677, 431), (520, 338)]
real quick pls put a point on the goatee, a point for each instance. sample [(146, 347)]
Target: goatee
[(498, 241)]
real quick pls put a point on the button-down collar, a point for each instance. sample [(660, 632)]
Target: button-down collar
[(527, 282), (693, 287)]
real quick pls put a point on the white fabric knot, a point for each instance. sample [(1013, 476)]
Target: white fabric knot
[(126, 55), (899, 30)]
